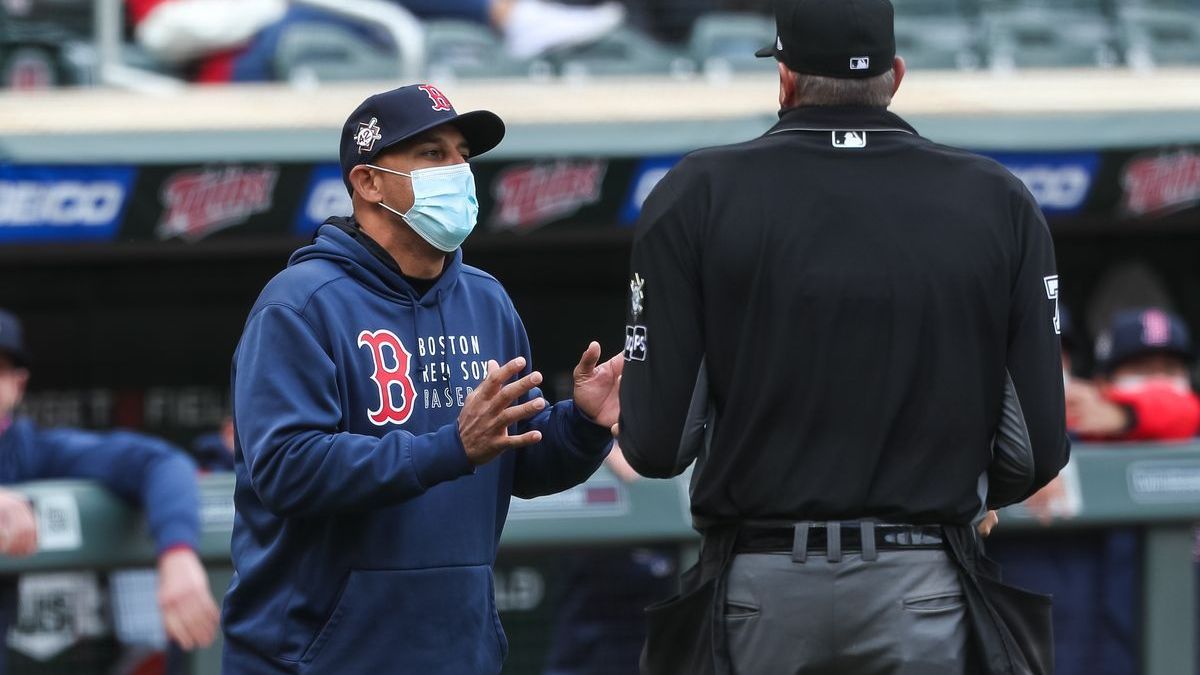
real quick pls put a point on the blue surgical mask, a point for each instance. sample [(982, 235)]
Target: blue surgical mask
[(444, 208)]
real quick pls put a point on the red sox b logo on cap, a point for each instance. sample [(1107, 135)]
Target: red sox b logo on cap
[(1156, 328), (397, 395), (440, 102)]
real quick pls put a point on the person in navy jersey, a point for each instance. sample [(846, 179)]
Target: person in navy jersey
[(146, 471), (378, 440)]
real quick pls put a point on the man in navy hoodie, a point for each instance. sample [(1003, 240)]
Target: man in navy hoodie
[(378, 440), (144, 470)]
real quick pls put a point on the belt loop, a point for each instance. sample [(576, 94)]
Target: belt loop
[(800, 543), (833, 542), (867, 530)]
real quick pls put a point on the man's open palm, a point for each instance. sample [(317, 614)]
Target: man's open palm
[(598, 386)]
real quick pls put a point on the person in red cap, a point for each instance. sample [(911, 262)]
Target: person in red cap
[(1144, 388)]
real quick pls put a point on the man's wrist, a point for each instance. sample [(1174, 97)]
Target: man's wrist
[(176, 548)]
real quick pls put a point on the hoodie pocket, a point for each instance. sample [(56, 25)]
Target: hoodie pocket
[(430, 621)]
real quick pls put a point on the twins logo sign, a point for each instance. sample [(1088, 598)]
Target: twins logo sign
[(397, 395)]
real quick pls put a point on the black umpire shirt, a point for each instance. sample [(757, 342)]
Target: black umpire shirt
[(856, 293)]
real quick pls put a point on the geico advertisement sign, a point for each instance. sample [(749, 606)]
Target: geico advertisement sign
[(58, 203), (1060, 182), (326, 196)]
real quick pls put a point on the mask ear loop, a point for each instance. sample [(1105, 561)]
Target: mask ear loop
[(398, 173)]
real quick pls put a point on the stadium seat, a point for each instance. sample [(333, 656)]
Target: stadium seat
[(728, 41), (1154, 36), (940, 8), (622, 52), (329, 53), (1037, 37), (465, 49), (937, 42)]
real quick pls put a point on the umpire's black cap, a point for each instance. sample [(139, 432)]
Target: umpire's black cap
[(12, 339), (391, 117), (834, 38)]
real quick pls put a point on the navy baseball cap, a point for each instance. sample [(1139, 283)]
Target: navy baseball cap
[(1140, 332), (12, 339), (834, 38), (395, 116)]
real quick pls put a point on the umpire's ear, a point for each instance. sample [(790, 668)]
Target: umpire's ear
[(364, 181)]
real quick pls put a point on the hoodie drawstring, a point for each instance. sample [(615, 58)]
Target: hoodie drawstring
[(442, 320)]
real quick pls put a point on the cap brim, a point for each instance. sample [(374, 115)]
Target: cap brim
[(765, 52), (483, 130)]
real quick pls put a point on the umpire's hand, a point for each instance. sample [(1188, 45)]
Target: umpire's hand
[(489, 412)]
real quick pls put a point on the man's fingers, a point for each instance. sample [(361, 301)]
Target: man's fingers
[(498, 375), (616, 430), (27, 543), (617, 363), (175, 630), (587, 362), (527, 438), (194, 627), (516, 390), (522, 412), (205, 623)]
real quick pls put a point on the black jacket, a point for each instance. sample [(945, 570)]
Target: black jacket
[(857, 293)]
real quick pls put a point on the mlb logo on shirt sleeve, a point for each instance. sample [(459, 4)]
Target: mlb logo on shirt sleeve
[(635, 343)]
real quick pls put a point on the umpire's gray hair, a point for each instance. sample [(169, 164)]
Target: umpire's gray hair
[(819, 90)]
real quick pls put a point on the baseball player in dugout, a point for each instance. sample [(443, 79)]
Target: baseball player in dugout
[(849, 328), (145, 471), (386, 411)]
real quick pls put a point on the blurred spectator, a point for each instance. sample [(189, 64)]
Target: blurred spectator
[(203, 37), (1143, 391), (235, 40), (530, 27), (213, 452), (600, 626), (143, 470)]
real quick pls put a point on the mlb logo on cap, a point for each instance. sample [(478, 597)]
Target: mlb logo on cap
[(860, 63)]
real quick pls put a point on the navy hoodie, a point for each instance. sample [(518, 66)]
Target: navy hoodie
[(364, 539), (140, 469)]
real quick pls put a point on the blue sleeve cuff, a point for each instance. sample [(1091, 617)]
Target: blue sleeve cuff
[(586, 435), (440, 457), (176, 536)]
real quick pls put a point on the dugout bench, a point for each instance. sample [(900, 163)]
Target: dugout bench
[(1155, 487)]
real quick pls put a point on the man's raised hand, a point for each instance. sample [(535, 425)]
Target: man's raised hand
[(490, 410), (598, 386)]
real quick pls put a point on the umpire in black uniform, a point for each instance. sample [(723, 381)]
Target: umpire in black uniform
[(851, 296)]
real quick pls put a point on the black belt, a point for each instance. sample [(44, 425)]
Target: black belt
[(837, 538)]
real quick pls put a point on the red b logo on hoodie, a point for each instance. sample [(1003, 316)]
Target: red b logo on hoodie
[(397, 395)]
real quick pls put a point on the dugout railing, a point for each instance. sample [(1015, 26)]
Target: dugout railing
[(1153, 487)]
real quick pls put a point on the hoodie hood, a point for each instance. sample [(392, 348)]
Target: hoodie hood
[(334, 243)]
